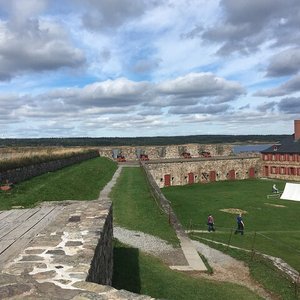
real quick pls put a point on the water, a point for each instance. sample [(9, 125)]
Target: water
[(250, 148)]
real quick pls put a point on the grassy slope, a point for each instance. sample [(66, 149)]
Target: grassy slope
[(262, 270), (279, 225), (81, 181), (135, 208), (149, 276)]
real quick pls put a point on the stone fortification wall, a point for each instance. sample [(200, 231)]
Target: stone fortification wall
[(162, 200), (181, 171), (101, 270), (24, 173), (165, 152)]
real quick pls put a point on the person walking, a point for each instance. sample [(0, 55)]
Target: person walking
[(210, 223), (240, 225)]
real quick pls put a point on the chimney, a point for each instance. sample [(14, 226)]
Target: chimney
[(297, 130)]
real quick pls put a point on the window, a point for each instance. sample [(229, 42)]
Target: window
[(282, 170)]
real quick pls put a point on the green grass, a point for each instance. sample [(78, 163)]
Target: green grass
[(278, 227), (151, 277), (82, 181), (136, 209), (262, 270)]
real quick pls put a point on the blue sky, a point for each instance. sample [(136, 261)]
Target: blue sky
[(148, 68)]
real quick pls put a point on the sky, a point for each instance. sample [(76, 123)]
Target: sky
[(127, 68)]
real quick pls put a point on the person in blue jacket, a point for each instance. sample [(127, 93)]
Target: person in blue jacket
[(240, 225)]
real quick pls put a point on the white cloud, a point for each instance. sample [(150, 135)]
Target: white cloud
[(202, 86), (284, 63), (289, 87), (169, 67), (38, 46), (247, 24), (102, 15)]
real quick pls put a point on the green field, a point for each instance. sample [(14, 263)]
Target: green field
[(82, 181), (272, 226), (135, 209)]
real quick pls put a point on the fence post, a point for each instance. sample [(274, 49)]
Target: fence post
[(190, 226), (229, 240), (252, 246), (296, 282)]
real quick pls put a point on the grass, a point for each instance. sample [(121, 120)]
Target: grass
[(278, 228), (262, 270), (82, 181), (135, 208), (149, 276)]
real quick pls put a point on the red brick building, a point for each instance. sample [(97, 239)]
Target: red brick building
[(282, 160)]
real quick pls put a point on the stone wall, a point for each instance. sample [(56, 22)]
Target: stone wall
[(24, 173), (162, 200), (181, 171), (101, 270), (165, 152)]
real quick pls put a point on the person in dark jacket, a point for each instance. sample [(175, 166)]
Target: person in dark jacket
[(240, 225)]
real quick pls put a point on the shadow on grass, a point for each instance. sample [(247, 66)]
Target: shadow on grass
[(126, 273)]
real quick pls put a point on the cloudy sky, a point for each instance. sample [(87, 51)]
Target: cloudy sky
[(148, 67)]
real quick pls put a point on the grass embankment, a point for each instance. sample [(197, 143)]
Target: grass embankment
[(82, 181), (134, 208), (276, 221), (11, 158), (149, 276), (263, 271)]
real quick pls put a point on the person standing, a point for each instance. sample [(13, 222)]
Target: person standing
[(210, 223), (240, 225), (274, 189)]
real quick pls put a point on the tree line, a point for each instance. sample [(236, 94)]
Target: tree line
[(139, 141)]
